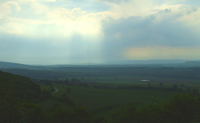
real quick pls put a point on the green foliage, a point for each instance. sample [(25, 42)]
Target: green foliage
[(13, 110), (18, 86), (16, 93), (45, 95), (81, 115), (78, 115), (52, 89), (125, 114), (65, 98), (181, 108)]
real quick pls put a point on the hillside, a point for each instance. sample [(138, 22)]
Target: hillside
[(18, 96), (18, 86)]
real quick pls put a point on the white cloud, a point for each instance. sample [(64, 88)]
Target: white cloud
[(57, 22), (69, 21), (8, 7), (14, 5), (76, 21), (51, 0), (130, 8), (180, 13), (192, 17), (4, 10)]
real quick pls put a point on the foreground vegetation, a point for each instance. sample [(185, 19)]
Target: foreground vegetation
[(21, 100)]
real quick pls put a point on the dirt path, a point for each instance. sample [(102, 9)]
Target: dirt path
[(56, 90)]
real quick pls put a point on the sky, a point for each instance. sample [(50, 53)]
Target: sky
[(44, 32)]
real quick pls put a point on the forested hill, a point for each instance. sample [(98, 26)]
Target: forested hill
[(18, 86), (18, 97)]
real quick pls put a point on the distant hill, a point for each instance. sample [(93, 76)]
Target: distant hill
[(193, 62), (148, 62), (8, 65), (128, 63)]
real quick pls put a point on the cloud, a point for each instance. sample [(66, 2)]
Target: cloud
[(77, 21), (127, 8), (7, 8), (97, 30), (191, 19), (57, 21), (51, 0), (161, 29), (162, 52)]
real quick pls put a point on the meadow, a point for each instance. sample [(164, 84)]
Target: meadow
[(98, 98), (103, 101)]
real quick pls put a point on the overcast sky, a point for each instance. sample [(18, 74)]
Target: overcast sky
[(98, 31)]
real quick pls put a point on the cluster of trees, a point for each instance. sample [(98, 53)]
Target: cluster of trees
[(149, 87), (65, 98), (193, 91), (180, 109), (49, 82), (72, 81)]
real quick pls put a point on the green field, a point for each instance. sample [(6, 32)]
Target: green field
[(98, 98), (45, 87), (101, 99)]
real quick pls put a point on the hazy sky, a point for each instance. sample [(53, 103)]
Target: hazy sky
[(98, 31)]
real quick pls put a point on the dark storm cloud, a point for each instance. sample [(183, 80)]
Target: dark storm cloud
[(146, 31)]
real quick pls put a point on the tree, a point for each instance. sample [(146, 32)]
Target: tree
[(73, 80), (68, 90), (161, 84), (175, 87), (66, 99)]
